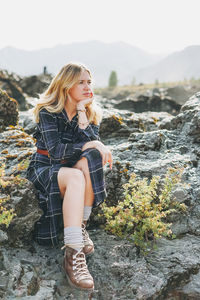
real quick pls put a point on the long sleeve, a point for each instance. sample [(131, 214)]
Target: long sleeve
[(91, 131), (49, 130)]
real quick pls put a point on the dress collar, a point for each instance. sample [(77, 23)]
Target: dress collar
[(64, 114)]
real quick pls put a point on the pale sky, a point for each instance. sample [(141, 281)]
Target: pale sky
[(156, 26)]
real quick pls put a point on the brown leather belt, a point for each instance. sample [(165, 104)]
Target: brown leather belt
[(45, 152)]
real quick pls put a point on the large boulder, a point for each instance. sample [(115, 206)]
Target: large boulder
[(23, 201), (16, 147), (178, 93), (146, 103), (35, 85), (10, 83)]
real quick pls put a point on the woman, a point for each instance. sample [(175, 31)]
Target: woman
[(67, 167)]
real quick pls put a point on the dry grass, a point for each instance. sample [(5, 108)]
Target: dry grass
[(142, 88)]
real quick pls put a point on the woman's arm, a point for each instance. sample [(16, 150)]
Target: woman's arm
[(105, 152), (90, 130), (49, 130)]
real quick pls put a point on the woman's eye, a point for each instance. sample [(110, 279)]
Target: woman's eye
[(81, 82)]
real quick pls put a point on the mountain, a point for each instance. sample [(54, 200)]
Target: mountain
[(174, 67), (100, 57)]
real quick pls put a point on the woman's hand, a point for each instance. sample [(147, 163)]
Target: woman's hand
[(105, 152), (81, 104)]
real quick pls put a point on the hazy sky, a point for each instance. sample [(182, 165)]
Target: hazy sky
[(157, 26)]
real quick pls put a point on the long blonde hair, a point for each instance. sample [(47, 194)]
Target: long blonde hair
[(54, 98)]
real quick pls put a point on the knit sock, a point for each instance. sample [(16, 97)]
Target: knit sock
[(73, 237), (86, 213)]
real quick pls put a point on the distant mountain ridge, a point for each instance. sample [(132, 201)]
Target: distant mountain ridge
[(100, 57), (128, 61), (176, 66)]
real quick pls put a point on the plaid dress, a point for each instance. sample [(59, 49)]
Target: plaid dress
[(64, 140)]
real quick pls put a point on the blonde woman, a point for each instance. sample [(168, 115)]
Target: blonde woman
[(67, 168)]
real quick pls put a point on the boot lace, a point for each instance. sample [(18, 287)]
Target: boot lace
[(80, 266), (86, 238)]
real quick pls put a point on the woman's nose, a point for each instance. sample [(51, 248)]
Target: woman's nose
[(86, 86)]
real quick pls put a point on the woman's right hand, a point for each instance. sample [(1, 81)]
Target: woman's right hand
[(105, 152)]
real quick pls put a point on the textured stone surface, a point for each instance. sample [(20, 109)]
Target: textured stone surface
[(10, 83), (118, 271), (147, 144), (8, 110)]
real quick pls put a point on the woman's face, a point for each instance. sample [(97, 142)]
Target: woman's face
[(82, 89)]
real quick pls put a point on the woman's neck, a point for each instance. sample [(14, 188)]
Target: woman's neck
[(70, 108)]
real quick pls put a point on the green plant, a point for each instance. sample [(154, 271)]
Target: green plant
[(113, 79), (6, 215), (142, 216)]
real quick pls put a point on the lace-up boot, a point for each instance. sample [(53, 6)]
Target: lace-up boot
[(88, 243), (76, 269)]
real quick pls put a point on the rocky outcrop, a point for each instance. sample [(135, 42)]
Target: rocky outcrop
[(10, 83), (16, 147), (145, 103), (21, 88), (34, 85), (8, 110), (144, 143), (179, 93)]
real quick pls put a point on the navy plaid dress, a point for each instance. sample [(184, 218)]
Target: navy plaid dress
[(64, 140)]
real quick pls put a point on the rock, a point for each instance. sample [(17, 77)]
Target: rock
[(8, 110), (121, 95), (25, 205), (120, 124), (35, 85), (145, 103), (15, 150), (178, 94), (117, 270), (148, 140), (192, 103), (26, 120), (10, 83), (147, 144), (3, 237), (113, 125)]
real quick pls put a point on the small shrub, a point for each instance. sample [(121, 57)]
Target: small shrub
[(6, 215), (142, 216)]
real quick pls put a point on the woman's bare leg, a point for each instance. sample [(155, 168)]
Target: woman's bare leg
[(72, 187), (82, 165)]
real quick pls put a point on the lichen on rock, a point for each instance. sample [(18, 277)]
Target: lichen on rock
[(8, 110)]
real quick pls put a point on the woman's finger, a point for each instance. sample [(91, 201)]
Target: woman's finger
[(103, 158), (110, 160)]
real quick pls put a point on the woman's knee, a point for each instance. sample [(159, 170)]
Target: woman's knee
[(82, 165), (70, 176)]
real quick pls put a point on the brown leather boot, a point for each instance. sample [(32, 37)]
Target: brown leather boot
[(76, 269), (88, 243)]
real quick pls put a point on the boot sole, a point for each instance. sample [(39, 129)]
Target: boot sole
[(75, 286), (89, 253)]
